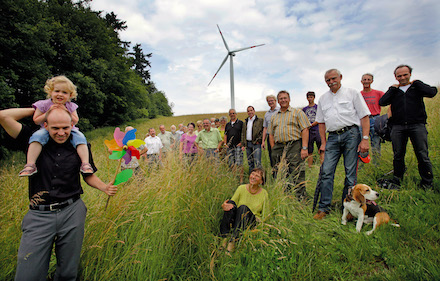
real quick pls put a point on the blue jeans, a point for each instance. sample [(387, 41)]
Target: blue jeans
[(235, 156), (253, 153), (374, 138), (210, 153), (42, 136), (345, 144), (418, 135)]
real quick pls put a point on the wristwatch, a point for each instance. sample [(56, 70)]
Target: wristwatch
[(365, 137), (304, 147)]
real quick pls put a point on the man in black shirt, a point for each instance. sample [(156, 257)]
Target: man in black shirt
[(409, 121), (233, 142), (56, 212)]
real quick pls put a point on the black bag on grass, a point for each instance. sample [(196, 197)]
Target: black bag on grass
[(383, 128)]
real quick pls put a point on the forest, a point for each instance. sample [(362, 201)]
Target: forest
[(41, 39)]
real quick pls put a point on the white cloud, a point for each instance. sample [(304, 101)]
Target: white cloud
[(303, 39)]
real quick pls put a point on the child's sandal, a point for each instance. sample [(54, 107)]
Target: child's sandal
[(29, 170), (86, 169)]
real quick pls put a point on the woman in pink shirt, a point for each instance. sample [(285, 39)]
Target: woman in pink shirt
[(187, 148)]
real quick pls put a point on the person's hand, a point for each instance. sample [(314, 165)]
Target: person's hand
[(110, 189), (243, 148), (227, 206), (57, 105), (364, 146), (263, 146), (322, 148), (304, 153)]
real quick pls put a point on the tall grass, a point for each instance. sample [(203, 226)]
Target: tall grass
[(163, 223)]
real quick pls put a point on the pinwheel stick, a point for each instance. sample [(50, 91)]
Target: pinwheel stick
[(113, 181)]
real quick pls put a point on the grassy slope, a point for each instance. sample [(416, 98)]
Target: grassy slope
[(163, 224)]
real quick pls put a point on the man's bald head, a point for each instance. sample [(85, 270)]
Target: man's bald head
[(58, 124), (58, 111)]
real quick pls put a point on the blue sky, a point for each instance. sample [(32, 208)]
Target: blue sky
[(303, 39)]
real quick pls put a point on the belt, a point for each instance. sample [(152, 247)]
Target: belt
[(55, 206), (285, 142), (343, 130)]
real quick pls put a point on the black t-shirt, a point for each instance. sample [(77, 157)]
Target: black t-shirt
[(233, 133), (58, 170)]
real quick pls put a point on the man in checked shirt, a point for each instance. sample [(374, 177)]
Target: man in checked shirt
[(288, 136)]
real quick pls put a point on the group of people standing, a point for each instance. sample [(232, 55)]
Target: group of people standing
[(340, 124)]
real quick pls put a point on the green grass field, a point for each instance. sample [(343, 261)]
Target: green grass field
[(163, 224)]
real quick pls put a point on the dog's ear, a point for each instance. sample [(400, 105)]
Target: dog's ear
[(358, 196)]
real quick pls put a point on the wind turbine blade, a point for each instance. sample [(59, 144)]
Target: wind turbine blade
[(242, 49), (219, 69), (224, 41)]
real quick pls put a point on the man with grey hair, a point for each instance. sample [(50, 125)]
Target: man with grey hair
[(273, 108), (166, 138), (176, 137), (181, 130), (340, 112), (408, 120)]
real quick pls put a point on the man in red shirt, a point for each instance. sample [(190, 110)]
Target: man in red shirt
[(372, 98)]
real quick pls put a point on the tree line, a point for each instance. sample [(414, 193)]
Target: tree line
[(40, 39)]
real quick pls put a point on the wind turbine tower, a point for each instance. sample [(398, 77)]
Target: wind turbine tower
[(231, 55)]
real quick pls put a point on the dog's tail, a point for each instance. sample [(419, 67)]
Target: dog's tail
[(394, 223)]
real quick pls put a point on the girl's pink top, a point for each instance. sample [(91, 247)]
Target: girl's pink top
[(44, 106), (188, 143)]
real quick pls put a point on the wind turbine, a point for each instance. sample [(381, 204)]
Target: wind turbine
[(231, 54)]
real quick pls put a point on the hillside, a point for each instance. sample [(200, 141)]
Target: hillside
[(163, 224)]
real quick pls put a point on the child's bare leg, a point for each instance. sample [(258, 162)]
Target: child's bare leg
[(32, 156), (83, 153)]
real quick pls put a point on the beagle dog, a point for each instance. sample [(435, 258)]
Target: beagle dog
[(360, 203)]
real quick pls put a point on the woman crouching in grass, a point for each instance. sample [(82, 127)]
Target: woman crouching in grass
[(248, 205)]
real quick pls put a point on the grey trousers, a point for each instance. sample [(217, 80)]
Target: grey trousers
[(43, 229)]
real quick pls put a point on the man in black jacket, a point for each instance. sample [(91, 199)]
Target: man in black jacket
[(409, 119), (251, 138)]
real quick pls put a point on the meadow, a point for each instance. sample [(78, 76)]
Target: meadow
[(163, 223)]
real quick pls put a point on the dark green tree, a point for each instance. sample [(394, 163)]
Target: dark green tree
[(141, 64), (40, 39)]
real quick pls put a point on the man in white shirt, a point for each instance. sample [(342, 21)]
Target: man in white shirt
[(154, 146), (340, 112)]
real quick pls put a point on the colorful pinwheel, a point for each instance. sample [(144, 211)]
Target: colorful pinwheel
[(123, 146)]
